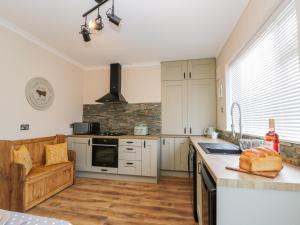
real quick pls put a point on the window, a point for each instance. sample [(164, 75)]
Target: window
[(265, 78)]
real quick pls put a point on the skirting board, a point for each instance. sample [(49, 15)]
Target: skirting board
[(173, 173), (106, 176)]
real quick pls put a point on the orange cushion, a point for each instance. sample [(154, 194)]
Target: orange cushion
[(56, 154), (22, 156)]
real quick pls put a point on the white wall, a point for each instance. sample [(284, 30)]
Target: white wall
[(254, 16), (20, 60), (140, 84)]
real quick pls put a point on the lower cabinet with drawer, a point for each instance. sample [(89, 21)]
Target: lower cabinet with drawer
[(138, 157), (128, 167)]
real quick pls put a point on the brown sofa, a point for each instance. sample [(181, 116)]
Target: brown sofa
[(19, 192)]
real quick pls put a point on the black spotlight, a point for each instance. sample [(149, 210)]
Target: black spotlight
[(97, 24), (112, 17), (85, 33)]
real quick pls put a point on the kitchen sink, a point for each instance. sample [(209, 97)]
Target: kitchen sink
[(220, 148)]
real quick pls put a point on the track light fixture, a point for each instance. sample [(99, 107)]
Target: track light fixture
[(85, 31), (97, 23)]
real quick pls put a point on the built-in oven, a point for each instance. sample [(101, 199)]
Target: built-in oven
[(105, 152), (209, 197), (192, 167)]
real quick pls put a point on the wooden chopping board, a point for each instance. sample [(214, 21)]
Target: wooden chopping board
[(262, 174)]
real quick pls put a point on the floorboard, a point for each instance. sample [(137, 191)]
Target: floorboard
[(106, 202)]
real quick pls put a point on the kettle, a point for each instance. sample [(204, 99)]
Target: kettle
[(209, 131)]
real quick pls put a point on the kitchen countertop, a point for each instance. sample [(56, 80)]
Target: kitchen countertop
[(147, 137), (287, 180)]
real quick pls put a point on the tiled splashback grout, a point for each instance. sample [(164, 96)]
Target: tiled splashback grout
[(290, 152), (124, 117)]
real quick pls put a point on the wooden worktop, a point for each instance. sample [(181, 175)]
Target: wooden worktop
[(147, 137), (287, 180)]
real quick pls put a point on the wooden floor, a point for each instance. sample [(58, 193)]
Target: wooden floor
[(106, 202)]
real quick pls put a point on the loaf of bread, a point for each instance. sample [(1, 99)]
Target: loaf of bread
[(260, 159)]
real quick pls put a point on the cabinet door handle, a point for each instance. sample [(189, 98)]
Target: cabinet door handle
[(184, 75), (144, 144), (129, 163), (129, 149), (185, 130), (104, 170), (89, 142), (191, 130), (129, 142), (164, 141), (190, 75)]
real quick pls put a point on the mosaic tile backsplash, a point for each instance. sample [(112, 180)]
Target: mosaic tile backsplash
[(290, 152), (124, 117)]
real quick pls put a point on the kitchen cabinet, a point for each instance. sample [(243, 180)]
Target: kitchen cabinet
[(174, 154), (201, 112), (174, 71), (83, 150), (150, 158), (189, 100), (201, 69), (174, 111), (168, 154)]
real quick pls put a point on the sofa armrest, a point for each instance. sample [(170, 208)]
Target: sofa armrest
[(71, 155), (18, 176)]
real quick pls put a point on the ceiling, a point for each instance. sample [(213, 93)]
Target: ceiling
[(151, 30)]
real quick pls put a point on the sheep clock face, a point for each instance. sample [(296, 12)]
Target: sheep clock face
[(39, 93)]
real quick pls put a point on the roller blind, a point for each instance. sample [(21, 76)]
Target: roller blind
[(265, 78)]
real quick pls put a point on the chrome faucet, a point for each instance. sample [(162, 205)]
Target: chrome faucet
[(240, 119)]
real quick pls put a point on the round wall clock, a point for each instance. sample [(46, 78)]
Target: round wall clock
[(39, 93)]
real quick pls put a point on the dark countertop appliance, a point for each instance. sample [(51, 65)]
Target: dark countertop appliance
[(85, 128)]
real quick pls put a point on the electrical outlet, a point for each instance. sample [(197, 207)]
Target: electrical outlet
[(24, 127)]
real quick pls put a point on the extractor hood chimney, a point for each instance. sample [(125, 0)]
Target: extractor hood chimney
[(114, 95)]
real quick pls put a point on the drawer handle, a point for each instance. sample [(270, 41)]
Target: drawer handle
[(129, 142), (129, 149), (104, 170), (129, 163)]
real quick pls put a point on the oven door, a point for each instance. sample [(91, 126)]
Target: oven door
[(105, 155), (209, 198)]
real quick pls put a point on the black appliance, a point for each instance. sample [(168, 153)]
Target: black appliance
[(219, 148), (105, 152), (86, 128), (114, 95), (209, 198), (192, 167)]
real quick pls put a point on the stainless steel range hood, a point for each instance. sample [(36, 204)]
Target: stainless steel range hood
[(114, 95)]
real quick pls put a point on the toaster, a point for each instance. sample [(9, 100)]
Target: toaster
[(141, 130)]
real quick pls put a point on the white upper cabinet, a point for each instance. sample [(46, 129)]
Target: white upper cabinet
[(201, 105), (174, 111), (188, 104), (201, 69), (174, 70)]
